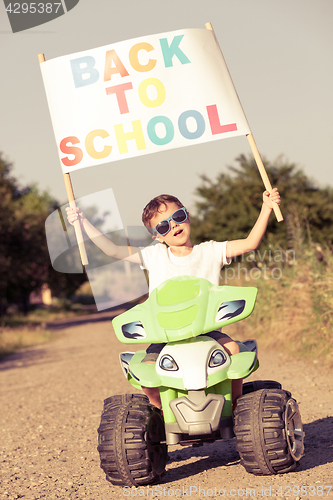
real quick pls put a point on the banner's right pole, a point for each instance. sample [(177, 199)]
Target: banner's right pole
[(258, 160)]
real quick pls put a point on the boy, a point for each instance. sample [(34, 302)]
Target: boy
[(169, 222)]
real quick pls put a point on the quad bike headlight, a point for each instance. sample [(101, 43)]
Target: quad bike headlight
[(217, 358), (168, 363)]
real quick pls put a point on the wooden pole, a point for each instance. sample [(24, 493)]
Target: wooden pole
[(264, 176), (77, 225), (259, 162), (71, 200)]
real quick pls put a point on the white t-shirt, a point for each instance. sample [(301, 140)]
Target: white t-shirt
[(205, 261)]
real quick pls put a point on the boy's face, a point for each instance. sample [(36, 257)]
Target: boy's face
[(179, 234)]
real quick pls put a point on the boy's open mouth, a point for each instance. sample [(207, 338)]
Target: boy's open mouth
[(178, 232)]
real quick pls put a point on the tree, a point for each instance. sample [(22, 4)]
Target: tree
[(229, 206), (7, 191), (24, 258), (27, 252)]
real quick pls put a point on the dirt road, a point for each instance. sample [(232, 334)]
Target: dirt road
[(51, 399)]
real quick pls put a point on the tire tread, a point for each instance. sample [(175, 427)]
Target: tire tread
[(122, 440), (260, 432)]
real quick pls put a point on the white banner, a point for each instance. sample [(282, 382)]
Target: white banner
[(141, 96)]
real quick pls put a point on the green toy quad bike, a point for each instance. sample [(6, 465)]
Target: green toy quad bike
[(194, 377)]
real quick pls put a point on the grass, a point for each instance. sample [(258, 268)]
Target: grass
[(14, 339), (18, 331), (294, 309)]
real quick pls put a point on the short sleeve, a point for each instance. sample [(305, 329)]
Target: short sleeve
[(219, 252), (144, 258), (147, 254), (142, 254), (225, 260)]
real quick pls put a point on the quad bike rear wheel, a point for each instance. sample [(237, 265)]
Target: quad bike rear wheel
[(269, 432), (131, 441)]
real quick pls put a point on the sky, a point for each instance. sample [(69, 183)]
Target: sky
[(279, 54)]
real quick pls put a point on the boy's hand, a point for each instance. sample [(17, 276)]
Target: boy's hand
[(269, 197), (74, 214)]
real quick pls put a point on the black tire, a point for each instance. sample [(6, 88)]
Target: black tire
[(131, 441), (120, 399), (256, 385), (269, 432)]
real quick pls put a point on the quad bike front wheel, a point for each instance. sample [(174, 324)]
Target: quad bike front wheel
[(131, 441), (256, 385), (269, 431)]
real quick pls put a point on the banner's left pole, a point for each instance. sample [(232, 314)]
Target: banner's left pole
[(72, 204)]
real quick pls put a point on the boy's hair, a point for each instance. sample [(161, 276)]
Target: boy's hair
[(153, 206)]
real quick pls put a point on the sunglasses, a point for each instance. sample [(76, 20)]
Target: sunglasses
[(163, 227)]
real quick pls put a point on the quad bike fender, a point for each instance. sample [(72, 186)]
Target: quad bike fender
[(242, 365), (137, 373)]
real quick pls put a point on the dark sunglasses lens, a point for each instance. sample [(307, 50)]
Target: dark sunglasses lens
[(163, 228), (179, 216)]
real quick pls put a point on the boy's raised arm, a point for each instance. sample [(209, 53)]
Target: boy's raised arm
[(131, 254), (239, 247)]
